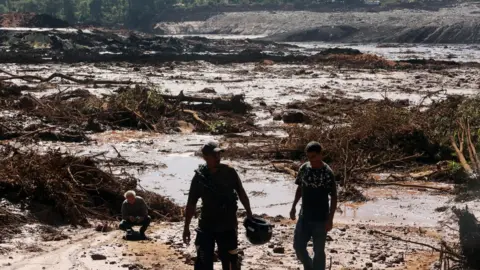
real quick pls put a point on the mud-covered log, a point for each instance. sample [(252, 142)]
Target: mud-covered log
[(236, 103)]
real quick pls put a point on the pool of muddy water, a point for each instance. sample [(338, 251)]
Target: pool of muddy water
[(272, 193)]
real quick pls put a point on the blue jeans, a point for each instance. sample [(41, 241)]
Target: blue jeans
[(304, 231)]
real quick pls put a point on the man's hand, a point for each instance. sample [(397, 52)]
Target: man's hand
[(329, 225), (293, 213), (186, 236), (131, 219)]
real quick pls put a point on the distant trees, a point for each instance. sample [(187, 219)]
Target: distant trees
[(133, 13)]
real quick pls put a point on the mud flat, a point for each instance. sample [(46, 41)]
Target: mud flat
[(449, 25), (144, 122)]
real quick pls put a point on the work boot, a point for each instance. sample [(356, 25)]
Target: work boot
[(128, 234), (142, 234)]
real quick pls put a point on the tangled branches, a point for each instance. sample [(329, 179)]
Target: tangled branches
[(361, 136), (72, 188), (135, 108)]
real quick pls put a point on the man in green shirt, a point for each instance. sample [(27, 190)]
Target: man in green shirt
[(316, 183), (134, 213), (219, 187)]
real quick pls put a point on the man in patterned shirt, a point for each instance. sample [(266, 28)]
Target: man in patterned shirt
[(315, 182)]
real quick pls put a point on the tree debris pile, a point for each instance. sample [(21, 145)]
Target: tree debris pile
[(361, 136), (469, 237), (359, 60), (355, 59), (10, 222), (60, 188), (83, 46), (67, 116), (25, 128)]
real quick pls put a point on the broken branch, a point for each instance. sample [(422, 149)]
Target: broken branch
[(29, 78)]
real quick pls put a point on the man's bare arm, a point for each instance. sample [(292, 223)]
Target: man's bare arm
[(189, 213), (298, 196), (333, 203), (243, 197), (192, 200)]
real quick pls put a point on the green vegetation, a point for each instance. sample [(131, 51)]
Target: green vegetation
[(133, 13)]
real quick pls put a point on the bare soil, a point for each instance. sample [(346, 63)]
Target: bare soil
[(448, 25)]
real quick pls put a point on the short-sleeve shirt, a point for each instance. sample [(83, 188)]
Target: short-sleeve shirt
[(219, 196), (317, 185)]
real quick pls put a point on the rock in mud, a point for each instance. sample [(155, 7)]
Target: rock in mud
[(294, 116), (98, 257), (277, 116), (279, 250), (267, 62), (208, 90), (397, 259), (26, 102)]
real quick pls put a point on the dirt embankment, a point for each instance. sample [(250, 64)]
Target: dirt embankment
[(449, 25)]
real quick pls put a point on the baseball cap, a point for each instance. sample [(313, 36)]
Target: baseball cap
[(210, 148)]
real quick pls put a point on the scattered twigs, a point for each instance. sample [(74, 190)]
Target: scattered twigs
[(282, 168), (471, 148), (30, 78), (403, 159), (430, 95), (198, 119), (409, 186), (397, 238)]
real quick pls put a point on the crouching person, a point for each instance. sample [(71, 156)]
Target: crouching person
[(134, 213)]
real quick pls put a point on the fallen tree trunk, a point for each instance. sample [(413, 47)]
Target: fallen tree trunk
[(235, 104)]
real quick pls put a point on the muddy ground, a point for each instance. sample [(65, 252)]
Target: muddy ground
[(449, 25), (368, 233)]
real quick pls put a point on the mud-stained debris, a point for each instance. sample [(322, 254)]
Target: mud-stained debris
[(80, 46), (361, 136), (59, 188), (49, 233), (351, 194), (10, 223), (67, 116)]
